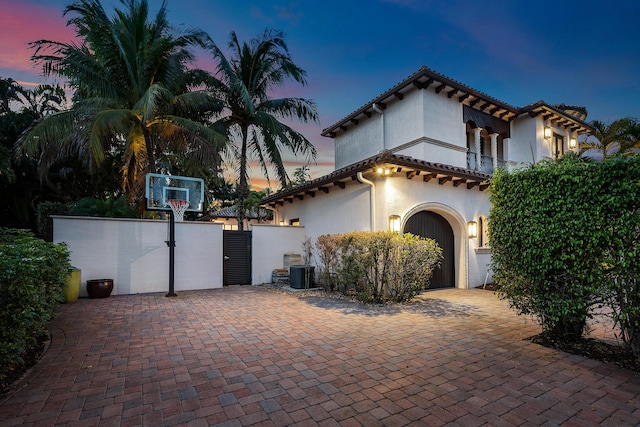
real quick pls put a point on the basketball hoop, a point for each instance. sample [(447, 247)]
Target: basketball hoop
[(178, 207)]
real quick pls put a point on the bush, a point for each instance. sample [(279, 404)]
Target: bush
[(564, 237), (381, 267), (111, 207), (544, 250), (327, 248), (43, 217), (619, 201), (32, 276)]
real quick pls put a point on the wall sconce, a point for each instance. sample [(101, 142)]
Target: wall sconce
[(472, 229), (394, 223), (573, 143), (282, 222), (547, 132)]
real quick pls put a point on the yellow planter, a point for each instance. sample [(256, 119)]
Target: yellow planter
[(72, 288)]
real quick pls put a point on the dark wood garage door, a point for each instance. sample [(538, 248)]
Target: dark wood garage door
[(236, 248), (434, 226)]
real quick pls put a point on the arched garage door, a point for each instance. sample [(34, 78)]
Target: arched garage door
[(433, 226)]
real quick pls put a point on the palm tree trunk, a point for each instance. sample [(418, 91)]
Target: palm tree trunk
[(243, 186), (149, 146)]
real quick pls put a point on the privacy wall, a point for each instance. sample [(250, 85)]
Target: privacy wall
[(134, 254)]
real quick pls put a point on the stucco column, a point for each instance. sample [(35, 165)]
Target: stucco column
[(494, 150), (476, 139)]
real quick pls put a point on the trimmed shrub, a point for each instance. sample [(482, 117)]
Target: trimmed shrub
[(381, 267), (543, 246), (32, 276), (619, 202), (565, 236)]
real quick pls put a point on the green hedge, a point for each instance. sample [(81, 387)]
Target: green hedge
[(380, 267), (564, 238), (32, 276)]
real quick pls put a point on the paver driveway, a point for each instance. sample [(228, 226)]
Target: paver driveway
[(244, 356)]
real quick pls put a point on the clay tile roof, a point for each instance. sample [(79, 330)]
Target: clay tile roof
[(426, 78), (348, 173)]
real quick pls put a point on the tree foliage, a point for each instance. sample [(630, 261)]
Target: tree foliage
[(607, 139), (32, 276), (563, 235), (253, 118), (133, 97)]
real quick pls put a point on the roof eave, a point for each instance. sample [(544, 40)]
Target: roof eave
[(401, 164), (423, 79)]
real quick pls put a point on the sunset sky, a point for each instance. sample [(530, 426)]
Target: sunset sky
[(577, 52)]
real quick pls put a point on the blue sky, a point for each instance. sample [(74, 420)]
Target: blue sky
[(584, 53)]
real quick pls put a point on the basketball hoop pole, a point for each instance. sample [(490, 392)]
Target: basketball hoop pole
[(172, 249)]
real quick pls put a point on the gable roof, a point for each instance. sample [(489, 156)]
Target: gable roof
[(410, 167), (426, 78)]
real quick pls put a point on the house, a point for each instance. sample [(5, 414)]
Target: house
[(418, 158)]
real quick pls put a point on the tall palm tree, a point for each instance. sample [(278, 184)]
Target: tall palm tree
[(133, 94), (245, 83), (608, 139)]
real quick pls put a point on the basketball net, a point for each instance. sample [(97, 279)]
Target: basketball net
[(178, 207)]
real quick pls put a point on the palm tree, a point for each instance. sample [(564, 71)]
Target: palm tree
[(9, 90), (42, 101), (245, 84), (634, 135), (609, 139), (133, 95)]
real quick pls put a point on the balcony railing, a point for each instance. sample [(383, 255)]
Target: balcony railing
[(486, 163)]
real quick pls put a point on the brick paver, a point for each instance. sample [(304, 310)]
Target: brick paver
[(243, 356)]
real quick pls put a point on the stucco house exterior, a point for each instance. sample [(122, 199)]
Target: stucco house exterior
[(417, 159)]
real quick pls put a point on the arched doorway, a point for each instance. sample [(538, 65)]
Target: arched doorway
[(433, 226)]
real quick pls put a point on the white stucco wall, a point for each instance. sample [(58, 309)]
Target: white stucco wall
[(339, 211), (134, 254), (443, 119), (269, 245), (344, 210), (523, 147), (404, 120), (362, 141), (424, 125)]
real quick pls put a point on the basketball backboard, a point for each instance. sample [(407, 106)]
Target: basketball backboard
[(162, 188)]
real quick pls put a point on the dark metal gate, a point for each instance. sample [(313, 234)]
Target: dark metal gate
[(236, 249), (433, 226)]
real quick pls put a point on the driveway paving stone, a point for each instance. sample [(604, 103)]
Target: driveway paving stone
[(251, 356)]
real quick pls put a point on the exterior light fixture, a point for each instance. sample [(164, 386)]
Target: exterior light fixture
[(394, 223), (384, 171), (573, 143), (380, 171), (547, 132), (282, 222), (472, 229)]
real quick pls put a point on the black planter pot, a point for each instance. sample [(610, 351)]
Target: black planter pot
[(99, 288)]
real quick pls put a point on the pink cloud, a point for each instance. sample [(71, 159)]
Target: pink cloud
[(21, 23)]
